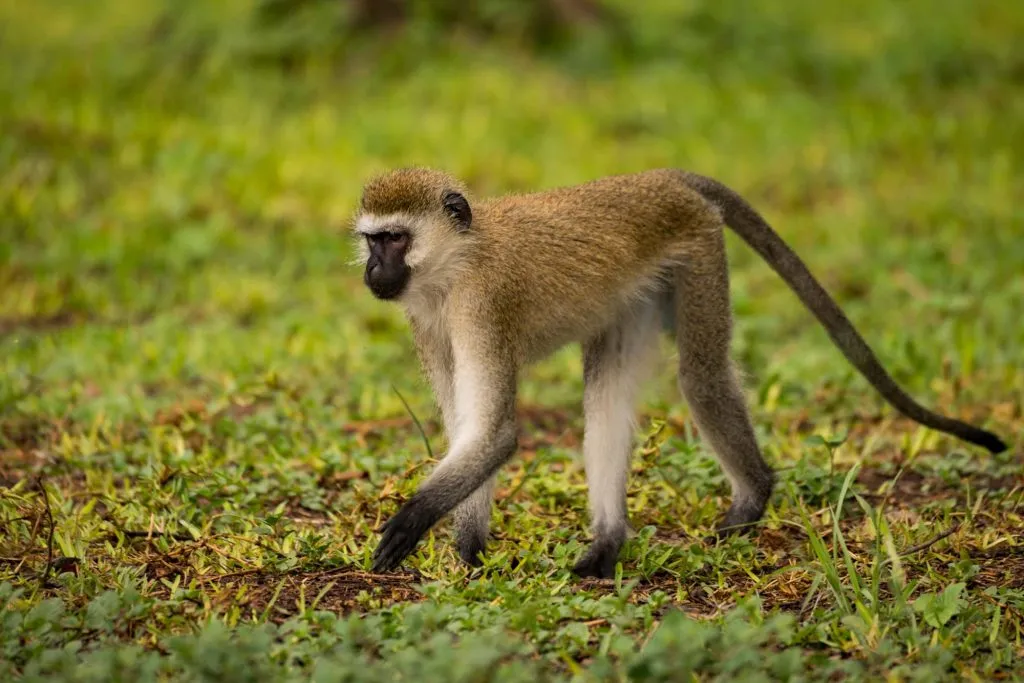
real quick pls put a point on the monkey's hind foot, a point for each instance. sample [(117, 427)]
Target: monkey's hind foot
[(599, 560), (470, 549), (740, 519)]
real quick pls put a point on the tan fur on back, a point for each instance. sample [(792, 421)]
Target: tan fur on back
[(546, 268)]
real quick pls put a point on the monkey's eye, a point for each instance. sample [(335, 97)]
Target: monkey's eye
[(397, 240), (391, 239)]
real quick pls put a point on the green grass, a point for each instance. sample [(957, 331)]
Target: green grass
[(200, 413)]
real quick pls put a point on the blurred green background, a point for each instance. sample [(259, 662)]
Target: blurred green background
[(184, 336), (186, 167)]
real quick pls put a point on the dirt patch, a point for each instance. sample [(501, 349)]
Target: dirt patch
[(913, 488), (197, 411), (1002, 566), (16, 464), (861, 425), (47, 136), (39, 323), (705, 597), (194, 419), (378, 427), (29, 432), (538, 426), (341, 591), (549, 420)]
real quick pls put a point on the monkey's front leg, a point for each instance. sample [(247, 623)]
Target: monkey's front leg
[(467, 467), (472, 516), (485, 439)]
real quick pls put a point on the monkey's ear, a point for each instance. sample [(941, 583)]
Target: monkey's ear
[(456, 206)]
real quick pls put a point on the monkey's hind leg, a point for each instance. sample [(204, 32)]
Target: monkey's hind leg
[(708, 380), (614, 365), (472, 523)]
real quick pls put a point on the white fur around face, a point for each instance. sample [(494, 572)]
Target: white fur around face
[(434, 254), (372, 224)]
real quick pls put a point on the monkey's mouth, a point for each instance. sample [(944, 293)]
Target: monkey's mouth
[(385, 283)]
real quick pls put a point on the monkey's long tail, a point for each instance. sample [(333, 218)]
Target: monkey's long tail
[(755, 231)]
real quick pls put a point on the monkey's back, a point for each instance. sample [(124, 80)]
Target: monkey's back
[(571, 258)]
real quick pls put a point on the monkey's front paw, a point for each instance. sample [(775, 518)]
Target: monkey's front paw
[(598, 561), (400, 535)]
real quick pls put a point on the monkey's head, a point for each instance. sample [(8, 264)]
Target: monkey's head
[(411, 223)]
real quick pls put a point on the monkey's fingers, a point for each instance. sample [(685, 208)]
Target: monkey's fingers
[(400, 535), (393, 548)]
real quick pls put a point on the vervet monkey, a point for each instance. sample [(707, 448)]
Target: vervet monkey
[(492, 285)]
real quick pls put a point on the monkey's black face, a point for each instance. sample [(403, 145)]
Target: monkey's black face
[(386, 271)]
